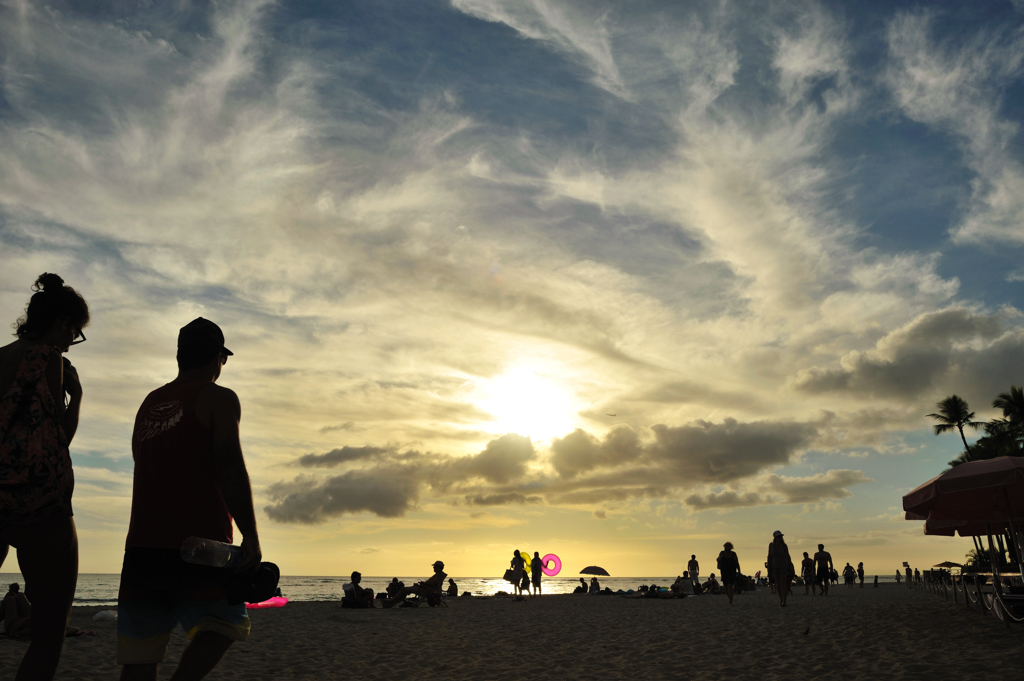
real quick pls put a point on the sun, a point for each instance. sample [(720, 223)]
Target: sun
[(525, 403)]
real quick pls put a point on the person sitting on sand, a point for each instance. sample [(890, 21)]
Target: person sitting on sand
[(394, 587), (16, 612), (583, 586), (595, 586), (424, 588), (360, 597), (711, 586), (453, 588)]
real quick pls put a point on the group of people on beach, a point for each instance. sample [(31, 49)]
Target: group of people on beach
[(396, 592), (816, 573), (190, 480), (525, 572)]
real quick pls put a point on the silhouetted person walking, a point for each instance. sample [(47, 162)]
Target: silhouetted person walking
[(190, 481), (36, 479)]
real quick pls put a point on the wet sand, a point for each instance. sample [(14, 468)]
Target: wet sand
[(888, 633)]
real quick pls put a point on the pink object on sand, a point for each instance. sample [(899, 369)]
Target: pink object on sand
[(275, 602)]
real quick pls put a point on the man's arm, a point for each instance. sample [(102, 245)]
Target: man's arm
[(225, 414), (434, 580)]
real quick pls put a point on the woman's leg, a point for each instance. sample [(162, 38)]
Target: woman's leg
[(48, 556)]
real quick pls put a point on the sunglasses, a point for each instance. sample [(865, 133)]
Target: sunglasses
[(79, 338)]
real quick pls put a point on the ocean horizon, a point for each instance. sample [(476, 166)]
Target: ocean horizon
[(101, 588)]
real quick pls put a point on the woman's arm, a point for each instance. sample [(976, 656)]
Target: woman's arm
[(62, 378)]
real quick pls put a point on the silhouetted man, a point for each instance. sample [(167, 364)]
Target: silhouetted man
[(425, 588), (823, 568), (693, 567), (190, 481)]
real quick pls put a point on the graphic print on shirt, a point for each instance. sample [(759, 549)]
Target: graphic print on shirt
[(160, 418)]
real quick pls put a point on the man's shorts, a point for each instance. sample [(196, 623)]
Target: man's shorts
[(159, 591), (822, 577)]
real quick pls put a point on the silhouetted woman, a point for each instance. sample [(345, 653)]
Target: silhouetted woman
[(517, 566), (36, 481), (729, 566), (781, 566)]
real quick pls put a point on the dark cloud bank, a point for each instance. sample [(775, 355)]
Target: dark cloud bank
[(623, 465)]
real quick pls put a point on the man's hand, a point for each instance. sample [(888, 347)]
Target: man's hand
[(253, 554)]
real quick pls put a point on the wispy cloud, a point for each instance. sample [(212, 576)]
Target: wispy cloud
[(647, 207), (959, 88)]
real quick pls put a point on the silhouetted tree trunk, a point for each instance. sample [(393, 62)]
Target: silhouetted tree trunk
[(966, 448), (1011, 548)]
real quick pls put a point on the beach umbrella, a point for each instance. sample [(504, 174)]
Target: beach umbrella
[(964, 528), (594, 570), (978, 491), (972, 499), (947, 564)]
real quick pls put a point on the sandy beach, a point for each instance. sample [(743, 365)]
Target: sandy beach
[(889, 633)]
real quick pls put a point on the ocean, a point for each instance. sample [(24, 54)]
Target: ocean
[(101, 589)]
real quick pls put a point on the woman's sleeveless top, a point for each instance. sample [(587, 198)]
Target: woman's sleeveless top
[(36, 480)]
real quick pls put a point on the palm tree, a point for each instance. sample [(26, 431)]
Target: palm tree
[(954, 413), (1011, 426), (1012, 404)]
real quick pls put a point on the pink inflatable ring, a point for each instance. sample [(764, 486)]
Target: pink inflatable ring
[(551, 558)]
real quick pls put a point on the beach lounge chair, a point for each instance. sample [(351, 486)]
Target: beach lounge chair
[(349, 600), (434, 599)]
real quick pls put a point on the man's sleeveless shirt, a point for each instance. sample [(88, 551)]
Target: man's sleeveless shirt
[(176, 493)]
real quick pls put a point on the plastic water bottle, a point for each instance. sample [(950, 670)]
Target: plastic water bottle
[(199, 551)]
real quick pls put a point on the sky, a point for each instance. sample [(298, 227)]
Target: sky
[(615, 281)]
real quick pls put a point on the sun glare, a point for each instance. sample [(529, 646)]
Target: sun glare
[(527, 404)]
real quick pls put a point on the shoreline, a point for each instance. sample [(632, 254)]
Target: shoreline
[(892, 633)]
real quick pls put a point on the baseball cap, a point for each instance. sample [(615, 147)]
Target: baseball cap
[(437, 562), (777, 533), (202, 334)]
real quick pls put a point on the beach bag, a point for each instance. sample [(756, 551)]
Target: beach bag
[(254, 587), (510, 576)]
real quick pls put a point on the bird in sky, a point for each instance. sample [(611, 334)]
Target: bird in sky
[(610, 414)]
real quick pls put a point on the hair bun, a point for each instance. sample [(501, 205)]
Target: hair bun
[(48, 281)]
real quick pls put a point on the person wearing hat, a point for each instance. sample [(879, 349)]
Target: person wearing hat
[(190, 481), (780, 565), (425, 588)]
